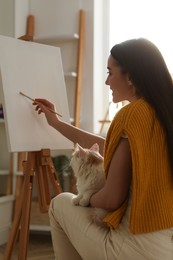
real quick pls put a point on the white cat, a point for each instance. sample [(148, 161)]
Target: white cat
[(87, 165)]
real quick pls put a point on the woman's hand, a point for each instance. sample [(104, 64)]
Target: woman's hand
[(44, 106)]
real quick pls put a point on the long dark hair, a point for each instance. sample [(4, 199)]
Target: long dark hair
[(147, 69)]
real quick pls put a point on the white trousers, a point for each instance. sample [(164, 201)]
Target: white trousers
[(76, 237)]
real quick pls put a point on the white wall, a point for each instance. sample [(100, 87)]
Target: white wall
[(21, 11), (53, 17), (7, 17)]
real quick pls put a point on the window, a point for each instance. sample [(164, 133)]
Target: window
[(149, 19)]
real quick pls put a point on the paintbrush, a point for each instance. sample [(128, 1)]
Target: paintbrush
[(35, 101)]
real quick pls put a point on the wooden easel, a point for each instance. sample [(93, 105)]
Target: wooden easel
[(80, 58), (29, 29), (29, 36), (39, 165)]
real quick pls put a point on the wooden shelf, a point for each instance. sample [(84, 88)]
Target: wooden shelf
[(6, 198), (39, 228), (71, 74), (71, 120), (4, 172), (57, 39)]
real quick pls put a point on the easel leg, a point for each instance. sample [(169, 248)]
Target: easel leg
[(49, 168), (14, 230), (41, 164), (42, 185), (10, 177), (46, 170), (22, 216), (29, 169), (54, 178)]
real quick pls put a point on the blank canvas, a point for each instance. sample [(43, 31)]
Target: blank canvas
[(36, 70)]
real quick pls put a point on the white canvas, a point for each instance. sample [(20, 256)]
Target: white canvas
[(36, 70)]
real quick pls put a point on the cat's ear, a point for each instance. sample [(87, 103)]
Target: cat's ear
[(76, 148), (82, 151), (95, 147)]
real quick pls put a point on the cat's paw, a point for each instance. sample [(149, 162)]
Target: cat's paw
[(84, 202), (76, 200)]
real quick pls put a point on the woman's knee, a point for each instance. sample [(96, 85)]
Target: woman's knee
[(62, 200)]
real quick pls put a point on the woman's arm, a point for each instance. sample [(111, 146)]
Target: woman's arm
[(118, 182), (74, 134)]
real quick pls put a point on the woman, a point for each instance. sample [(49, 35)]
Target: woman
[(138, 161)]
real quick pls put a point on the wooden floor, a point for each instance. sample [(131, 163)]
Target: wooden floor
[(40, 247), (40, 244)]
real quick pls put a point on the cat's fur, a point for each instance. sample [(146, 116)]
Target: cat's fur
[(87, 165)]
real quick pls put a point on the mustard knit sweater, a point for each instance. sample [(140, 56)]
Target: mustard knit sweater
[(152, 182)]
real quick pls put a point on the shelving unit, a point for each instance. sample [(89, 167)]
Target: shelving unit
[(6, 199), (6, 194), (73, 77), (4, 155), (4, 172)]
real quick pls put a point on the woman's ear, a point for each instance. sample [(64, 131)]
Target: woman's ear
[(131, 85), (129, 80)]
